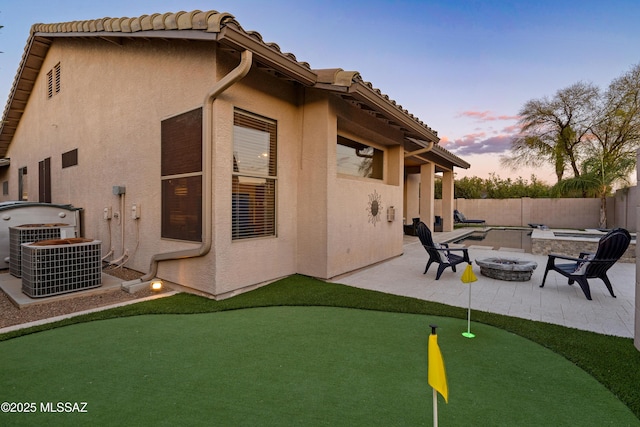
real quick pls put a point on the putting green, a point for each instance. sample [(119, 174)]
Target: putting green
[(307, 366)]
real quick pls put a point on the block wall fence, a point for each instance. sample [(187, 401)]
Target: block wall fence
[(554, 213)]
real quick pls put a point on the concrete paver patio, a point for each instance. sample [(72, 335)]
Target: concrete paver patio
[(556, 303)]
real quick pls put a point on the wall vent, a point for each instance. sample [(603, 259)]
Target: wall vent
[(33, 233), (54, 267)]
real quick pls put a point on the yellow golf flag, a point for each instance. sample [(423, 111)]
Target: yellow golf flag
[(437, 375), (468, 276)]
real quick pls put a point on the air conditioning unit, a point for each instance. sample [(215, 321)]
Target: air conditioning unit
[(33, 233), (16, 213), (53, 267)]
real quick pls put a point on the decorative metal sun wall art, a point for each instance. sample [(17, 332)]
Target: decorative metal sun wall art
[(374, 207)]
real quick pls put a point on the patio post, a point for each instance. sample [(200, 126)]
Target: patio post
[(427, 193), (447, 200)]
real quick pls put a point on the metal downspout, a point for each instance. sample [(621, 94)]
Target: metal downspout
[(223, 84)]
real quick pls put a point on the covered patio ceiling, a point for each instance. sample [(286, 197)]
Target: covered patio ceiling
[(417, 153)]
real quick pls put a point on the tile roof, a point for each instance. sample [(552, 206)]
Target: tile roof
[(203, 25), (210, 21)]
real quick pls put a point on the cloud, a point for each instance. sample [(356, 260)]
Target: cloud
[(486, 116), (478, 144), (484, 139)]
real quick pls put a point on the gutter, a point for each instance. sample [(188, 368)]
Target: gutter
[(420, 151), (222, 85)]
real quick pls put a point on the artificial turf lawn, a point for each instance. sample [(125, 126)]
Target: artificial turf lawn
[(613, 361), (277, 366)]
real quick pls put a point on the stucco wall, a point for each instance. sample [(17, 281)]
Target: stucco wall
[(242, 263), (312, 208), (412, 197), (337, 232), (110, 108), (356, 237), (112, 102)]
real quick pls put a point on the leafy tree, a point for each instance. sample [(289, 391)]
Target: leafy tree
[(612, 142), (495, 187), (617, 131), (593, 133), (498, 188), (552, 130), (469, 188)]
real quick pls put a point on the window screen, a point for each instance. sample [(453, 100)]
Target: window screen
[(181, 170), (70, 158)]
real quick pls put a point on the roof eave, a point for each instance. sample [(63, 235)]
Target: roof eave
[(366, 94), (235, 38), (444, 158), (449, 156), (21, 89)]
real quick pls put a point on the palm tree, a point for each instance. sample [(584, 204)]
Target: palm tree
[(600, 173)]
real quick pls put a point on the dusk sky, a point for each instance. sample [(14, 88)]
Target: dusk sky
[(465, 68)]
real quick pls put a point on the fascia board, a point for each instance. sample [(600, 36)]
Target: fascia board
[(267, 56)]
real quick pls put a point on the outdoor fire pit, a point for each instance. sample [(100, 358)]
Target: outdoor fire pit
[(511, 269)]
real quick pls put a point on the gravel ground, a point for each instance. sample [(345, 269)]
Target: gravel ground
[(11, 315)]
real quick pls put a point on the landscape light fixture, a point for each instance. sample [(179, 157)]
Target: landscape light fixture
[(156, 285)]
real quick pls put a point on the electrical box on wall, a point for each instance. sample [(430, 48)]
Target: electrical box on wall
[(107, 213), (135, 211), (391, 214), (119, 190)]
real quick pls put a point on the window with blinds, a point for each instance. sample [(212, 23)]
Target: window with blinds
[(181, 170), (254, 176)]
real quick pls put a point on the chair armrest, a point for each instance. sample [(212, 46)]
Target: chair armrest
[(552, 258), (568, 258), (459, 249), (446, 248)]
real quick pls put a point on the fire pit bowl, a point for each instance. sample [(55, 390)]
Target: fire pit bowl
[(511, 269)]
